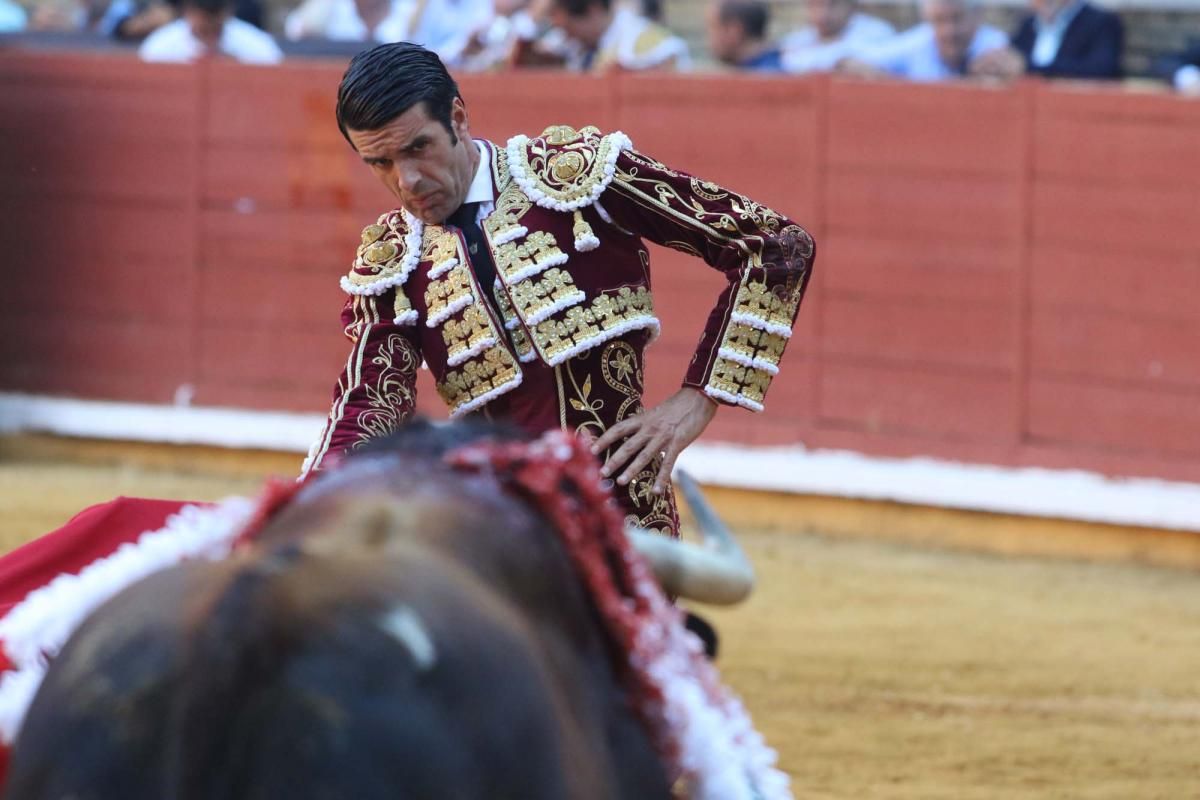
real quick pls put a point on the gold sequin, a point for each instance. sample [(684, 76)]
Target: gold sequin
[(373, 233)]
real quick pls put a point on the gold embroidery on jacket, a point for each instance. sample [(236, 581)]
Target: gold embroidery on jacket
[(754, 343), (438, 244), (774, 303), (534, 296), (470, 330), (511, 205), (580, 326), (516, 331), (446, 289), (376, 256), (390, 399), (512, 257), (493, 370), (567, 164)]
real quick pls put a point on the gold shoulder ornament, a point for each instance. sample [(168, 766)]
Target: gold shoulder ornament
[(566, 170), (388, 253)]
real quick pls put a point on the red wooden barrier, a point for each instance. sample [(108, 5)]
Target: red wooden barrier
[(1005, 275)]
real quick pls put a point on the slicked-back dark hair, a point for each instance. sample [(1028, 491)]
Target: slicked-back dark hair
[(382, 83), (752, 15)]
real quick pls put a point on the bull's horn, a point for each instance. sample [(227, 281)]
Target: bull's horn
[(716, 573)]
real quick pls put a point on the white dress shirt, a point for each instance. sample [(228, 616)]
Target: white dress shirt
[(240, 40), (803, 50)]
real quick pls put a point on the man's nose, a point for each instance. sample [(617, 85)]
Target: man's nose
[(407, 178)]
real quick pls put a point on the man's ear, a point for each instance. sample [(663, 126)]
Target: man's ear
[(458, 119)]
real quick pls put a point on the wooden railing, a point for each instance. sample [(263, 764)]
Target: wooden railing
[(1005, 275)]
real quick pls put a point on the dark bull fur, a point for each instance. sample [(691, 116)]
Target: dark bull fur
[(400, 632)]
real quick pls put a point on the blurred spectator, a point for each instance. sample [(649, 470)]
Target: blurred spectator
[(12, 17), (836, 29), (737, 35), (946, 45), (57, 15), (134, 20), (492, 46), (1186, 77), (209, 29), (443, 26), (601, 38), (1062, 39)]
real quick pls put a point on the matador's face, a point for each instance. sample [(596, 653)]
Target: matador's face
[(426, 167)]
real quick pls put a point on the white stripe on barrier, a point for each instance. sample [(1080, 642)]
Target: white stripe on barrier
[(1067, 494)]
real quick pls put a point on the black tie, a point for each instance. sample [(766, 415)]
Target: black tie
[(478, 254)]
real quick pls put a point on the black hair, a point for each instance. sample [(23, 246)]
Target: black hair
[(752, 15), (578, 8), (382, 83), (209, 6)]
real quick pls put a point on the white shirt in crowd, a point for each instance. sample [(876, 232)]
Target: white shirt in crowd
[(914, 53), (12, 17), (240, 40), (443, 26), (803, 50)]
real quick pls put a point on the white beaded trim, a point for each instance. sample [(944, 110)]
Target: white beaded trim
[(442, 268), (412, 257), (471, 352), (510, 235), (452, 308), (542, 314), (407, 318), (541, 265), (616, 142), (747, 361), (735, 399), (525, 358), (486, 397), (643, 322), (761, 324), (585, 243), (35, 630)]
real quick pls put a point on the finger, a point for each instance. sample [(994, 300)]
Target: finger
[(664, 472), (625, 452), (615, 434), (648, 453)]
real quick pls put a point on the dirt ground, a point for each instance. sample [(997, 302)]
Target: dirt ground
[(888, 671)]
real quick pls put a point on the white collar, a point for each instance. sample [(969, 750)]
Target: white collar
[(481, 190)]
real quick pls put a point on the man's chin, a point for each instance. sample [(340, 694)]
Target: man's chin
[(430, 216)]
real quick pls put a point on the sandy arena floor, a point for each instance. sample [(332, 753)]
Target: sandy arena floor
[(886, 671)]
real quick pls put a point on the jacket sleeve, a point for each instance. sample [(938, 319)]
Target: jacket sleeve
[(766, 259), (377, 389)]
